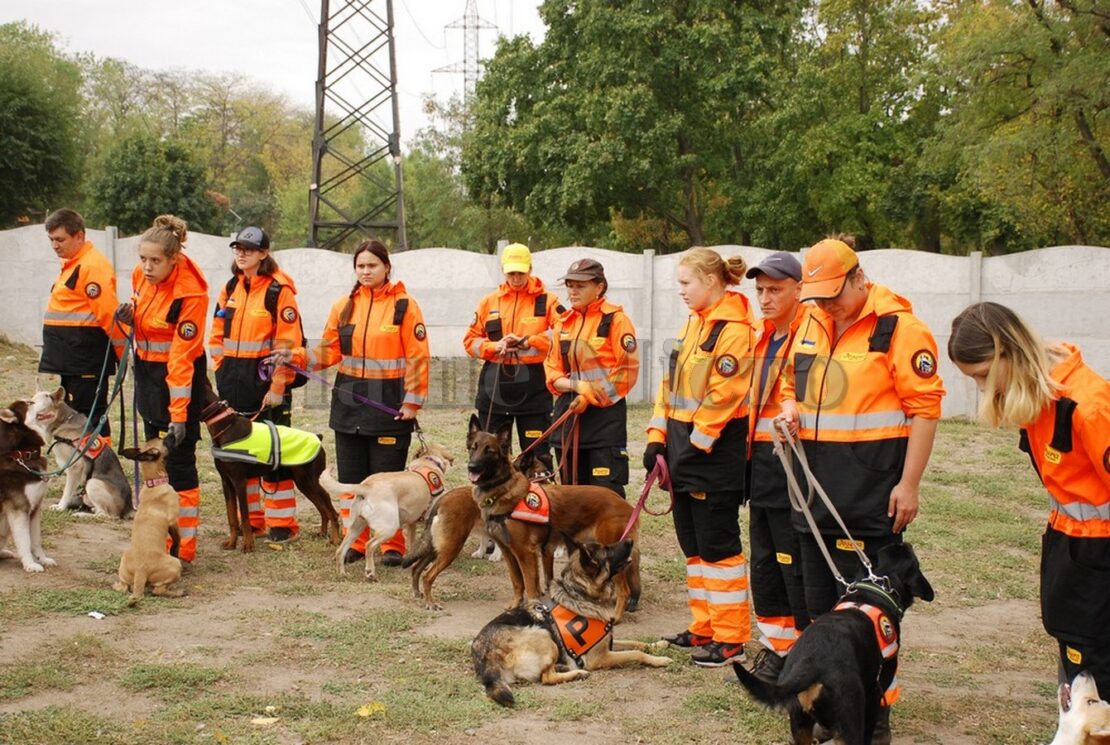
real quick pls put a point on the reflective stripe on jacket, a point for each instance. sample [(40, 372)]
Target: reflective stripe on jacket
[(77, 329), (169, 341)]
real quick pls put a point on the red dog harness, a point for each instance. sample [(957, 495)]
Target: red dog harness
[(885, 633), (94, 444), (535, 507), (431, 478), (576, 635)]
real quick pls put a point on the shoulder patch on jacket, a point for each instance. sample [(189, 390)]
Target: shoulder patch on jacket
[(289, 314), (628, 341), (92, 289), (420, 332), (727, 366), (924, 363), (187, 330)]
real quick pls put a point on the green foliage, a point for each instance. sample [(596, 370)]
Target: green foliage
[(143, 176), (39, 104)]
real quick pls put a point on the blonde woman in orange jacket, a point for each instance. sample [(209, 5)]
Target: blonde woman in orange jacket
[(700, 426)]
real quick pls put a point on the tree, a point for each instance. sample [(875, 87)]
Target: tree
[(39, 104), (144, 176), (629, 109)]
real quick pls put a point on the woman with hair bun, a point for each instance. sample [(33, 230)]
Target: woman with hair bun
[(376, 335), (1062, 408), (700, 426), (168, 307)]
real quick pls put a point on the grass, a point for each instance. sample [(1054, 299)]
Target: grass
[(279, 635)]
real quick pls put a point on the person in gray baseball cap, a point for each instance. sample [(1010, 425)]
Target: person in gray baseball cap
[(779, 265)]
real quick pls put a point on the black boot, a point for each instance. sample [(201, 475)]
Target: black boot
[(882, 727)]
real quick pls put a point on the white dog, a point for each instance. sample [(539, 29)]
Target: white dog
[(1084, 717)]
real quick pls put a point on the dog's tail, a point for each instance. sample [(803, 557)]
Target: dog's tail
[(138, 587), (333, 487), (496, 687), (765, 693), (425, 549)]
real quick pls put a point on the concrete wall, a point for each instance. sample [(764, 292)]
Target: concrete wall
[(1063, 291)]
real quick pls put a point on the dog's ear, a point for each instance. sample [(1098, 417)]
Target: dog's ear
[(130, 453), (917, 584), (571, 544), (505, 437), (9, 416), (150, 455), (59, 395), (619, 556), (474, 427)]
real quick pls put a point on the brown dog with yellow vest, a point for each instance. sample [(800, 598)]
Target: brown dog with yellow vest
[(528, 521), (566, 637)]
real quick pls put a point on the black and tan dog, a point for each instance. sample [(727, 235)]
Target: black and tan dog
[(585, 513), (837, 671), (21, 491), (226, 427), (566, 637), (447, 526)]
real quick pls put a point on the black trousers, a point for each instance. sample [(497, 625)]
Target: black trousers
[(359, 456), (1094, 659), (606, 467), (776, 565), (821, 588), (81, 396), (708, 524), (528, 427), (181, 463)]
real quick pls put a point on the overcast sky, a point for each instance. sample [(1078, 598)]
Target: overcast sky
[(272, 41)]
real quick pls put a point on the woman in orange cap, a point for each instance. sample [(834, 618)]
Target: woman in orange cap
[(593, 356), (1062, 407)]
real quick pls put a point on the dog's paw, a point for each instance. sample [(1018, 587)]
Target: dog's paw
[(59, 507), (228, 544), (46, 561), (479, 552), (660, 661), (121, 587), (496, 555), (371, 576), (32, 566), (582, 674), (661, 644), (433, 606)]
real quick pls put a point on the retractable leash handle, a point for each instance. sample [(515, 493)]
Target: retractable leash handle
[(794, 491), (661, 476)]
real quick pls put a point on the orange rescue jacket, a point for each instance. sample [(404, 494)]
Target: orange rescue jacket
[(169, 341), (599, 346), (1069, 444), (77, 328), (857, 396), (244, 331), (382, 353)]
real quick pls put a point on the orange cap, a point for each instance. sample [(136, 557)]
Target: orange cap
[(825, 268)]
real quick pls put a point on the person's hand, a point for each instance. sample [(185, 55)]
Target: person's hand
[(272, 399), (653, 450), (904, 502), (175, 435), (578, 404), (790, 415), (126, 313), (595, 395), (408, 412), (281, 356)]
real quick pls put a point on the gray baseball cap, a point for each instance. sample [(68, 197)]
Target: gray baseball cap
[(779, 265)]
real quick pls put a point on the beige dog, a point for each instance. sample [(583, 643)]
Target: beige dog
[(1084, 717), (387, 502), (146, 561)]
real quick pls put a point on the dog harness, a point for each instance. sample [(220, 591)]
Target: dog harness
[(91, 445), (885, 632), (534, 507), (575, 634), (272, 445), (431, 477)]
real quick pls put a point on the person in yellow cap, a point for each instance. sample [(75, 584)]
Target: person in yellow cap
[(511, 334), (860, 386)]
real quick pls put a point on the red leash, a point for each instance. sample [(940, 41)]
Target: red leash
[(659, 475)]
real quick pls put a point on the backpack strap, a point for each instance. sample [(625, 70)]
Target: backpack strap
[(273, 292), (1061, 432), (606, 324), (714, 334), (540, 308), (175, 312), (881, 336), (399, 309), (71, 283)]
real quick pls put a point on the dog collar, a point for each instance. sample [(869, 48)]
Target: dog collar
[(23, 455), (156, 482), (865, 587)]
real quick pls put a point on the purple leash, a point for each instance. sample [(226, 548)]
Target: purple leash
[(266, 372)]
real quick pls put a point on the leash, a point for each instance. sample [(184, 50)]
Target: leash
[(546, 433), (266, 372), (794, 491), (659, 475), (498, 367)]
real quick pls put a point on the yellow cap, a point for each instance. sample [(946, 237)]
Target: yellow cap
[(516, 258), (825, 268)]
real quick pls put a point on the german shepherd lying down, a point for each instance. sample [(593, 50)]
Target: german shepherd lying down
[(446, 528), (836, 673), (1084, 717), (585, 513), (564, 638)]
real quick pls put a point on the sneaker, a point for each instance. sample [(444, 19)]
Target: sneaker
[(280, 535), (687, 639), (392, 558), (767, 665), (352, 556), (717, 654)]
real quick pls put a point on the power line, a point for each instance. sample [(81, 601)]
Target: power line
[(419, 30)]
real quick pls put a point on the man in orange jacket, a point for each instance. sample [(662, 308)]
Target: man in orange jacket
[(78, 330), (776, 565)]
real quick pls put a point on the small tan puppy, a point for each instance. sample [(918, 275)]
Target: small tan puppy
[(1084, 717), (387, 502), (146, 561)]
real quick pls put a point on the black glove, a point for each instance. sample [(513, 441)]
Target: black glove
[(175, 436), (653, 449), (126, 313)]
